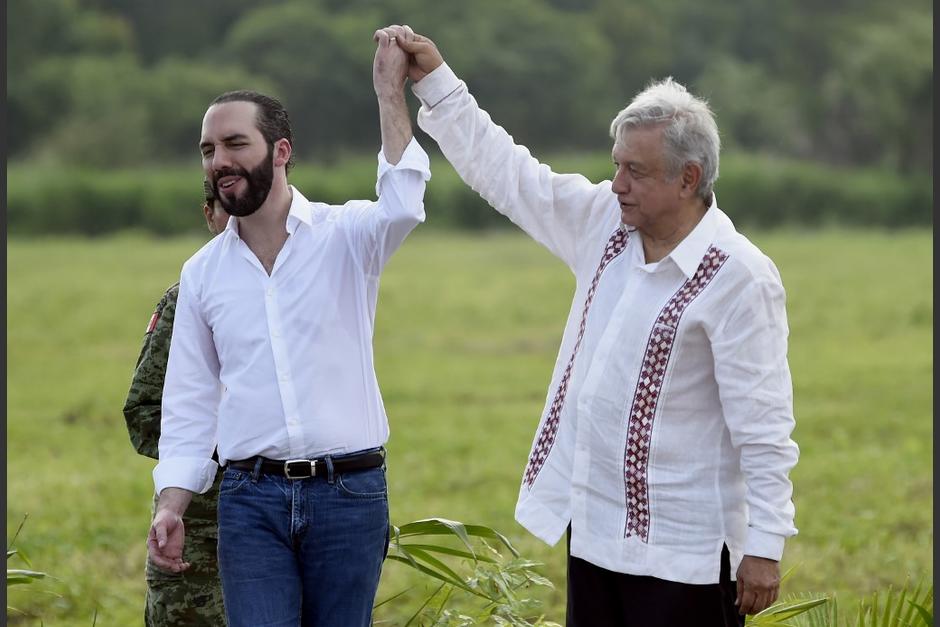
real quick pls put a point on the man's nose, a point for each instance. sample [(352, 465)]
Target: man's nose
[(620, 184), (220, 159)]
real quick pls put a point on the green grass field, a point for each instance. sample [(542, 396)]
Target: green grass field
[(467, 332)]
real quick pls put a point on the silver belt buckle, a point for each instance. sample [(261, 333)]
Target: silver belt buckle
[(300, 468)]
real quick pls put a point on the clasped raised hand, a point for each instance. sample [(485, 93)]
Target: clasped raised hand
[(422, 54), (390, 66)]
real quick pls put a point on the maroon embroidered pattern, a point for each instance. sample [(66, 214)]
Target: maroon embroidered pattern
[(646, 396), (543, 445)]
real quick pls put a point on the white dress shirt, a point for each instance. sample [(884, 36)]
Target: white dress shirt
[(293, 350), (666, 428)]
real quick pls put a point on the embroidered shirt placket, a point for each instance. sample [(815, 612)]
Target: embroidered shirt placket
[(648, 387), (543, 446)]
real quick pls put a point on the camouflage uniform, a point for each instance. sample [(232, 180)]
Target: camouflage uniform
[(193, 597)]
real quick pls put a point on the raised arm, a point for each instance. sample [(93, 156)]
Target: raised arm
[(378, 229), (389, 71), (566, 213)]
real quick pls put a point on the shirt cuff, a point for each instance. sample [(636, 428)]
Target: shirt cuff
[(414, 158), (763, 544), (195, 474), (436, 85)]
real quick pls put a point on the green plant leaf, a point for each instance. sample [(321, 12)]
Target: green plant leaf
[(539, 580), (20, 555), (392, 598), (424, 556), (18, 529), (925, 614), (789, 609), (505, 587), (487, 532), (437, 548), (492, 576), (443, 603), (906, 614), (443, 526), (17, 576), (438, 526), (401, 552), (433, 573), (423, 605)]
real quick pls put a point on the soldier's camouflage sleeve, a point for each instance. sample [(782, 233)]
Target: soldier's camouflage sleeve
[(142, 407), (193, 597)]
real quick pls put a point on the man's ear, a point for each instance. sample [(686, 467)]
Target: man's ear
[(691, 177), (207, 212), (282, 152)]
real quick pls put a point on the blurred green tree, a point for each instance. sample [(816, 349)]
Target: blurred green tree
[(97, 110), (847, 81), (542, 73), (879, 94), (106, 111), (322, 67), (755, 112), (186, 88), (179, 28), (50, 29)]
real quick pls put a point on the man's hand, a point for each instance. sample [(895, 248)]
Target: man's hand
[(389, 71), (167, 534), (758, 584), (390, 66), (424, 55), (165, 542)]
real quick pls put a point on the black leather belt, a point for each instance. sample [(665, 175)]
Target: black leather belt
[(304, 468)]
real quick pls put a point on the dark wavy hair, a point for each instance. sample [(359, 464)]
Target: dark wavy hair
[(272, 120)]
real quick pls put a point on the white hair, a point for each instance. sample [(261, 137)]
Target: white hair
[(689, 134)]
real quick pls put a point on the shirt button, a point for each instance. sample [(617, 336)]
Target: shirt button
[(276, 333), (283, 375), (270, 291)]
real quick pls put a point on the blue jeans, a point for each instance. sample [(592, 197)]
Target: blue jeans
[(302, 551)]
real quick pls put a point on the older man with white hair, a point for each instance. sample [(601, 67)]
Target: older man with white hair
[(664, 447)]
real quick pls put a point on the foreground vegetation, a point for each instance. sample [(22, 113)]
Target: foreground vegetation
[(466, 334)]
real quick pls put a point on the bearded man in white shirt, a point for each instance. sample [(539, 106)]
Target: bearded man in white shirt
[(664, 447), (271, 360)]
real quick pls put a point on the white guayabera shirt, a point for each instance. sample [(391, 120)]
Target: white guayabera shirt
[(666, 429), (293, 350)]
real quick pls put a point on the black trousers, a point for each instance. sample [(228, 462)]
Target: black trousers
[(602, 598)]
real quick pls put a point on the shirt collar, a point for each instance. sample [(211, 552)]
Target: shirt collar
[(231, 228), (689, 252), (299, 212)]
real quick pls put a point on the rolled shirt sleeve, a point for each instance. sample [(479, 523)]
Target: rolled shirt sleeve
[(190, 400), (381, 227), (756, 392)]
